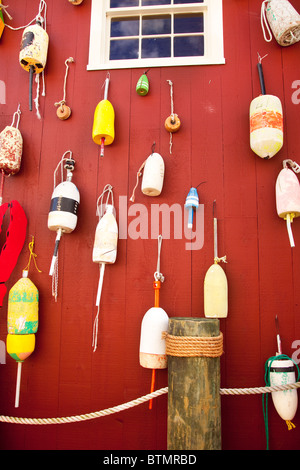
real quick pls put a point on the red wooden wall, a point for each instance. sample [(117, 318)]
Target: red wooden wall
[(63, 377)]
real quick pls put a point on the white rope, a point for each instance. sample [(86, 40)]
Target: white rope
[(139, 401), (63, 101), (158, 275), (38, 17), (172, 111), (263, 21), (16, 114)]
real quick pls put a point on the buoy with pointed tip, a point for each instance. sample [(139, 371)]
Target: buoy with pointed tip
[(215, 284)]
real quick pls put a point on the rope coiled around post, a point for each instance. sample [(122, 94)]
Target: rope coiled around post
[(194, 346)]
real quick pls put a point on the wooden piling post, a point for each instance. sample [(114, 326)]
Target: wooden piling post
[(194, 347)]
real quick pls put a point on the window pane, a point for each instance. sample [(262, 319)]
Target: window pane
[(123, 3), (156, 25), (124, 49), (124, 27), (156, 47), (176, 2), (155, 2), (190, 23), (187, 46)]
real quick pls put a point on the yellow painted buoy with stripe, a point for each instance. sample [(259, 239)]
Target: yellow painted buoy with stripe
[(22, 320)]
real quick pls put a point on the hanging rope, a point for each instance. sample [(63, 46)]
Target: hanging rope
[(63, 101), (31, 256), (158, 275)]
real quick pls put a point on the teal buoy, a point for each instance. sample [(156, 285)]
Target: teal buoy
[(142, 86)]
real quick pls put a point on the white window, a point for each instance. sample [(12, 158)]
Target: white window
[(149, 33)]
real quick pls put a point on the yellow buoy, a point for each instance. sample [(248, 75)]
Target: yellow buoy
[(22, 320), (104, 120)]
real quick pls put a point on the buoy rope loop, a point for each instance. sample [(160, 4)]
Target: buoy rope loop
[(109, 190), (17, 115), (194, 346), (263, 22), (294, 165), (136, 402)]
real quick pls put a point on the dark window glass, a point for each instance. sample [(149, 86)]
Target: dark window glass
[(124, 27), (177, 2), (187, 46), (155, 2), (156, 25), (188, 23), (123, 3), (124, 49), (156, 47)]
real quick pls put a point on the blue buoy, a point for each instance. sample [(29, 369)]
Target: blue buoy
[(191, 202)]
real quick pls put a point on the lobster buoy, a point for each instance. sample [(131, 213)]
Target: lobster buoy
[(280, 17), (22, 320), (22, 323), (105, 245), (65, 199), (216, 285), (142, 86), (33, 52), (266, 126), (152, 345), (287, 190), (282, 372), (153, 176), (11, 147), (152, 351), (76, 2), (191, 203), (104, 121)]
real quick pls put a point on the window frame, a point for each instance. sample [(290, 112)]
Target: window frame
[(100, 35)]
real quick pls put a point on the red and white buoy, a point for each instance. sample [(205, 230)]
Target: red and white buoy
[(155, 322)]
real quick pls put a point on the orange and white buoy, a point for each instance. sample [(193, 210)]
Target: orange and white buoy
[(266, 122), (152, 353)]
